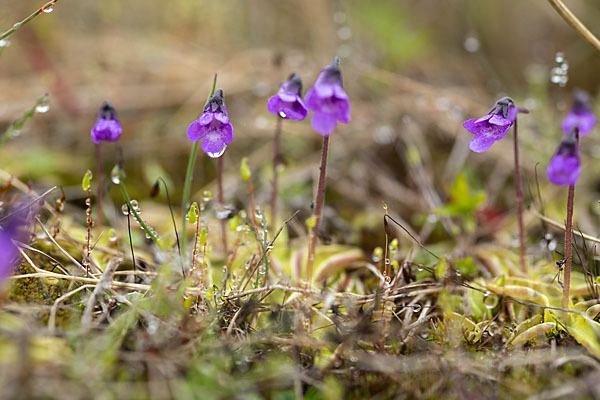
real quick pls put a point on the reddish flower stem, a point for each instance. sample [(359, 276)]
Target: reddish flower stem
[(568, 248), (221, 203), (276, 161), (519, 195), (252, 203), (568, 242), (100, 189), (90, 223), (312, 241)]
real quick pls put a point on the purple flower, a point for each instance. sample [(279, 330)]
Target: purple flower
[(493, 126), (328, 100), (581, 115), (107, 126), (212, 127), (16, 226), (288, 103), (565, 166), (8, 255)]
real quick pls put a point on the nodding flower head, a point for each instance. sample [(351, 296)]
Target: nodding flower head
[(107, 126), (565, 166), (493, 126), (328, 100), (581, 115), (212, 127), (288, 103)]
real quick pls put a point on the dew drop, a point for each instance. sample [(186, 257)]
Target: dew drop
[(206, 196), (471, 44), (282, 114), (125, 209), (135, 205), (344, 33), (416, 307), (560, 74), (112, 235), (490, 300), (42, 108), (258, 214), (222, 212), (217, 155), (339, 17), (43, 105), (48, 9), (4, 43), (115, 175)]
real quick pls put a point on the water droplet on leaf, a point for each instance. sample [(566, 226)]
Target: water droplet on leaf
[(490, 300)]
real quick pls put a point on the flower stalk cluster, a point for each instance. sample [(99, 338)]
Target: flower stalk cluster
[(564, 168)]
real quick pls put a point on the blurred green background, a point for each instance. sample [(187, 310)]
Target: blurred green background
[(414, 70)]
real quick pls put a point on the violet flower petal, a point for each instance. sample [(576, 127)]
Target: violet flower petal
[(196, 131), (323, 123)]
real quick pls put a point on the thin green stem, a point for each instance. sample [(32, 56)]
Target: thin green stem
[(222, 204), (519, 195), (186, 194), (133, 210), (48, 6), (16, 126)]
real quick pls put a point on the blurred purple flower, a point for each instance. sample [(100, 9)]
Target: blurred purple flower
[(565, 166), (212, 127), (8, 255), (493, 126), (328, 100), (288, 103), (581, 115), (107, 126), (16, 226)]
